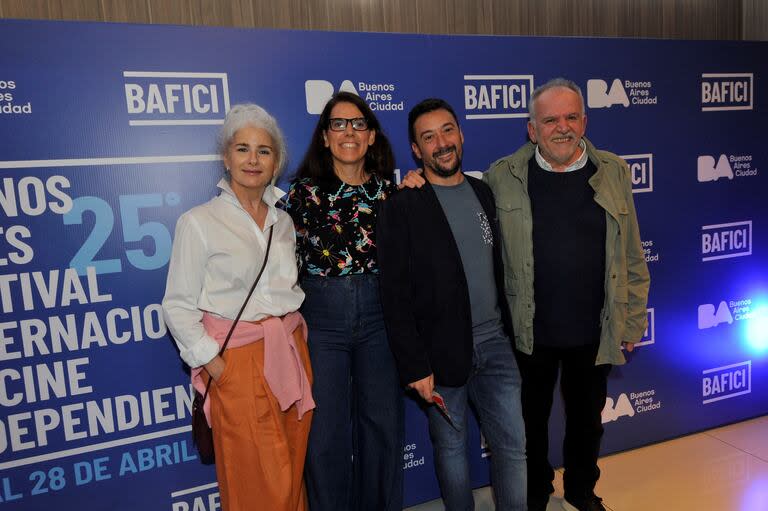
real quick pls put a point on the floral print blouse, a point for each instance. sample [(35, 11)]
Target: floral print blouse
[(336, 224)]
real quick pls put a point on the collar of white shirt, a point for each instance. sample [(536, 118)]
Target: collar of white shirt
[(578, 164), (272, 194)]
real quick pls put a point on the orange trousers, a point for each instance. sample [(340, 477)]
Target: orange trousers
[(260, 449)]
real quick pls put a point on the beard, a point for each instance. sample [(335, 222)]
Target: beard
[(442, 170)]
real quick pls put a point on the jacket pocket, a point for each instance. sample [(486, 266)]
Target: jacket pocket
[(511, 228), (510, 203), (510, 284), (618, 313), (622, 294), (623, 215)]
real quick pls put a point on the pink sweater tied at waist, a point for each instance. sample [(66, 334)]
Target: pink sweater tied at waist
[(283, 368)]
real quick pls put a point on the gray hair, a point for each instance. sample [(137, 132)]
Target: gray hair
[(551, 84), (249, 114)]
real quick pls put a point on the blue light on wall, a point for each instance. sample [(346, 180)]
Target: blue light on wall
[(757, 330)]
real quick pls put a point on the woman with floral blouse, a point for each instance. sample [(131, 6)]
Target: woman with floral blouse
[(354, 457)]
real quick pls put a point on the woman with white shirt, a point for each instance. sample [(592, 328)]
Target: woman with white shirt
[(260, 403)]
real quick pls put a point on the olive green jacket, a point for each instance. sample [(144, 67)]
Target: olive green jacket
[(624, 315)]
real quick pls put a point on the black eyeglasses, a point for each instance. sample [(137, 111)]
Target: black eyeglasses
[(340, 124)]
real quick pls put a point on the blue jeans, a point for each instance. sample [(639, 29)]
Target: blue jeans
[(354, 458), (494, 390)]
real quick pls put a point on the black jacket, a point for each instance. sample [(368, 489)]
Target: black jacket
[(423, 286)]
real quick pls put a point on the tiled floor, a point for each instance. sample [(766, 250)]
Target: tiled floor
[(724, 469)]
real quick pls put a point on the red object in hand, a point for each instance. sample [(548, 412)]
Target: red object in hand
[(440, 402)]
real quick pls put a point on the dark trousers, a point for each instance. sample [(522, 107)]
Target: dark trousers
[(584, 389), (355, 454)]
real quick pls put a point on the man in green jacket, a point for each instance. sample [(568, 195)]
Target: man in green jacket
[(576, 282)]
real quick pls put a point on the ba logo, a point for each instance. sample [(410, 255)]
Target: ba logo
[(379, 96), (497, 96), (708, 171), (620, 93), (726, 382), (641, 170), (598, 95), (318, 92), (621, 408), (709, 317), (649, 336), (723, 241), (726, 91), (176, 99), (629, 405)]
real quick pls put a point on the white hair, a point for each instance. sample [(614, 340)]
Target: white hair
[(551, 84), (249, 114)]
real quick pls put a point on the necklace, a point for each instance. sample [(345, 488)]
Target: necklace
[(333, 198)]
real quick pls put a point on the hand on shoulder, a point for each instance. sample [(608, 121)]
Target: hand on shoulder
[(413, 179)]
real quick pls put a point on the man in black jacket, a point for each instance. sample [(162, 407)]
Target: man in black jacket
[(446, 312)]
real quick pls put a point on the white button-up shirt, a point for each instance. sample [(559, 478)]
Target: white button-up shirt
[(217, 252)]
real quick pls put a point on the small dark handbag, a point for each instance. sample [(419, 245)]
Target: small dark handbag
[(202, 434)]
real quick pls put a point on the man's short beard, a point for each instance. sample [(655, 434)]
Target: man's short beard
[(443, 171)]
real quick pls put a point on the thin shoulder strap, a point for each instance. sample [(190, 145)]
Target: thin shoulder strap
[(237, 318)]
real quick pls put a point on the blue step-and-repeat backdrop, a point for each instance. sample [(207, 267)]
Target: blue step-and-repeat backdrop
[(108, 135)]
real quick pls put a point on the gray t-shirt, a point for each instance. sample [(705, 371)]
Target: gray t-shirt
[(472, 231)]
